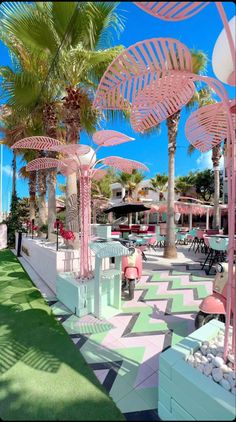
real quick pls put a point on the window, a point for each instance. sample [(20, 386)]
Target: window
[(118, 194)]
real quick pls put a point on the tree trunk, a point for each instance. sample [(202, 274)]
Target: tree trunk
[(50, 125), (32, 193), (72, 107), (216, 154), (14, 174), (170, 248), (42, 189)]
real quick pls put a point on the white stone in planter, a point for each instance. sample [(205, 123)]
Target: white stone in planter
[(208, 369), (200, 367), (218, 362), (233, 390), (225, 384), (210, 356), (217, 374), (203, 349)]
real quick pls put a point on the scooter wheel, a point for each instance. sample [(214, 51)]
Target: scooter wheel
[(131, 289), (202, 318)]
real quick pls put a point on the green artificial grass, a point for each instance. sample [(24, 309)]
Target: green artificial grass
[(43, 376)]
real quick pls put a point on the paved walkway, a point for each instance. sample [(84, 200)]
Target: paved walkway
[(124, 350)]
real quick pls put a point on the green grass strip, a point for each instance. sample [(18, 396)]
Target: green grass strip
[(43, 376)]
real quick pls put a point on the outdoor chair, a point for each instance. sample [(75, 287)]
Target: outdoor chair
[(219, 246), (192, 237), (200, 241), (182, 238)]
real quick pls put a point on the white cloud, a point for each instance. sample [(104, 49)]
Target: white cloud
[(7, 170), (205, 161)]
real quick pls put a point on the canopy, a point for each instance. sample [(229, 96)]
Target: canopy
[(127, 208)]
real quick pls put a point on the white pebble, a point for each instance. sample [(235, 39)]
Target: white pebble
[(205, 343), (232, 374), (204, 359), (220, 354), (231, 358), (217, 374), (226, 375), (208, 369), (210, 356), (197, 355), (226, 368), (231, 382), (225, 384), (218, 362), (204, 349), (190, 358), (214, 349), (196, 361), (233, 390), (210, 376), (231, 365), (200, 367)]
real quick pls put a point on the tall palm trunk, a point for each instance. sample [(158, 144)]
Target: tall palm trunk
[(14, 174), (216, 155), (32, 193), (42, 189), (72, 107), (50, 126), (172, 124)]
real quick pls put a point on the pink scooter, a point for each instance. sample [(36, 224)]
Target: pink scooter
[(214, 306), (131, 270)]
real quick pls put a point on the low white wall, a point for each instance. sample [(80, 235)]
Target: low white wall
[(46, 261), (3, 236)]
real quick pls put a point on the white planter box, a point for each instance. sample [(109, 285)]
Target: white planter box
[(184, 392)]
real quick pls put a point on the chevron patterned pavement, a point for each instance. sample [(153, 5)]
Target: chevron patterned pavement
[(124, 350)]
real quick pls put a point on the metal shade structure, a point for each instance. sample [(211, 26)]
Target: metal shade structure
[(207, 126), (81, 159), (172, 11), (127, 208)]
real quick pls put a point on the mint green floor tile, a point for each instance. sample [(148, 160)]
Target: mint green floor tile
[(132, 402), (93, 353), (134, 354), (150, 396), (121, 388)]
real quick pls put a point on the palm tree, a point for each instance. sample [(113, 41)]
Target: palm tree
[(183, 184), (131, 182), (159, 184), (76, 44), (31, 177), (199, 60)]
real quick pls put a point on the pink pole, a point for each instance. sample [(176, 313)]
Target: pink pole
[(85, 223)]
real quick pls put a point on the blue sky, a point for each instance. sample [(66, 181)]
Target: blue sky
[(199, 32)]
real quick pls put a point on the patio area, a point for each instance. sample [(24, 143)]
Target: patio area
[(123, 351)]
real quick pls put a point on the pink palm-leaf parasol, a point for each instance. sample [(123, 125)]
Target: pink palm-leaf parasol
[(207, 126), (172, 11), (110, 138), (36, 142), (74, 149), (135, 69), (160, 99), (99, 174), (123, 164), (44, 163)]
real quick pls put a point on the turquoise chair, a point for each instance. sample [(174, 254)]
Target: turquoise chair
[(218, 247)]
